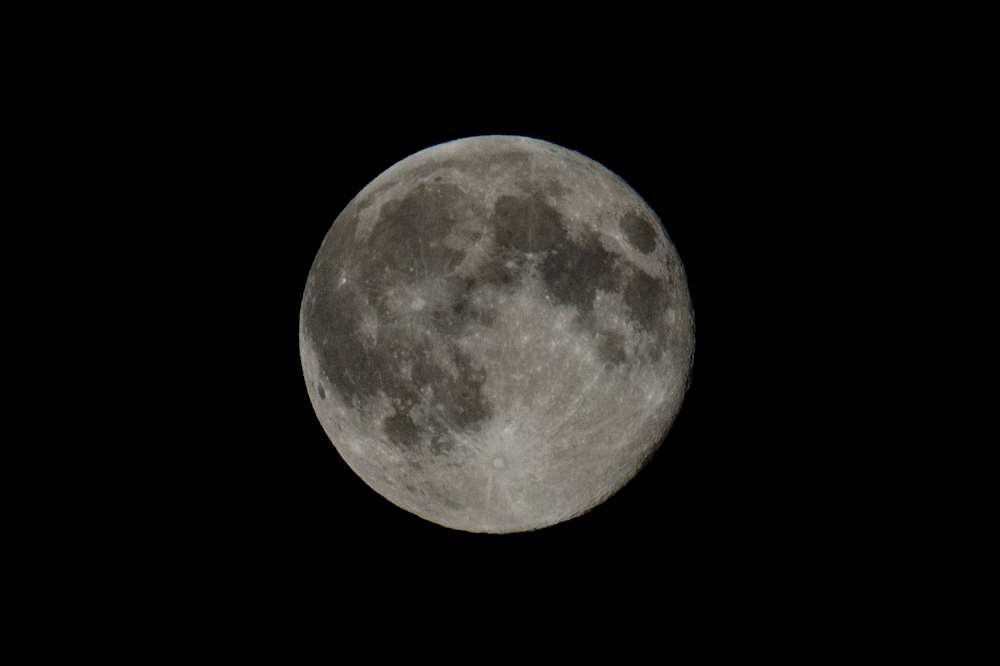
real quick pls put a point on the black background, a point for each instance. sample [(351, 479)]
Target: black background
[(768, 153), (735, 495)]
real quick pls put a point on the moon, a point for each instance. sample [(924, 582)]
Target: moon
[(496, 334)]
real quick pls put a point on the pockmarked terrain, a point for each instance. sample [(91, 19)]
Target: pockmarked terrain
[(496, 334)]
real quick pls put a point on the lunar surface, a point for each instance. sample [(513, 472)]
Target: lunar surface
[(496, 334)]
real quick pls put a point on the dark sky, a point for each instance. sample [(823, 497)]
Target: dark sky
[(727, 169), (226, 146)]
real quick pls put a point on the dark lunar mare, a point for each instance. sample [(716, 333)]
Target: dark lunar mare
[(640, 232), (407, 244), (573, 271)]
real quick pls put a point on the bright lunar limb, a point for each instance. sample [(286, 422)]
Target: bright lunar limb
[(496, 334)]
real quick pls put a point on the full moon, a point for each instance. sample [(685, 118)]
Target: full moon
[(496, 334)]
